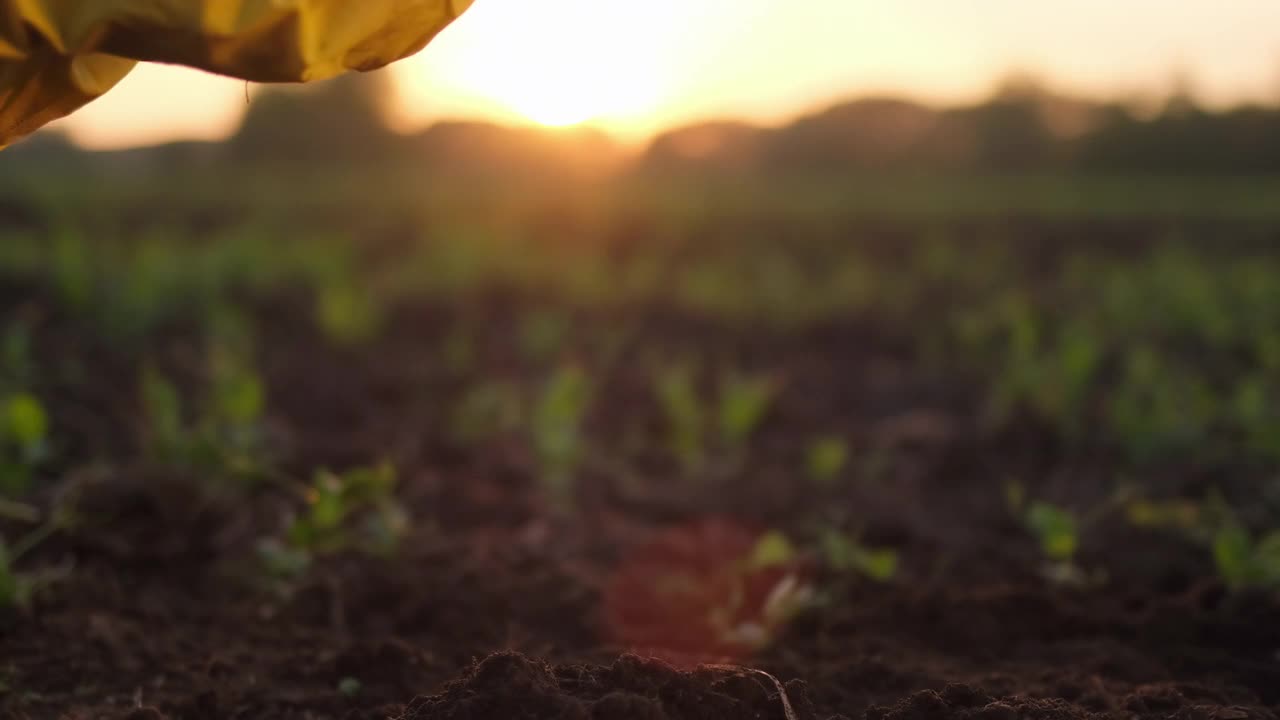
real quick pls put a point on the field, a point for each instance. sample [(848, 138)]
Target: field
[(894, 449)]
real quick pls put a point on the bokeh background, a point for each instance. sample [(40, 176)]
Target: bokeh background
[(879, 345)]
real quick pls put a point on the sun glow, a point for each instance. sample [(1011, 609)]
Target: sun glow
[(558, 62)]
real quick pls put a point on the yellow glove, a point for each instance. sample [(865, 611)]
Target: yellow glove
[(56, 55)]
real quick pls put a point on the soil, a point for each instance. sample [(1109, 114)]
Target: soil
[(498, 604)]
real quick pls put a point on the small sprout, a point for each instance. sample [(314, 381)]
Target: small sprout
[(1243, 562), (845, 553), (72, 268), (227, 435), (678, 397), (744, 402), (1055, 528), (238, 395), (24, 429), (349, 687), (557, 429), (26, 421), (347, 315), (354, 510), (773, 548), (334, 498), (1179, 514), (826, 457), (785, 600), (162, 408)]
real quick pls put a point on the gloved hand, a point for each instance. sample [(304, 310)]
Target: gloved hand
[(57, 55)]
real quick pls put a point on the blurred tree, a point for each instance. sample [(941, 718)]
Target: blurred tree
[(871, 133), (1010, 130), (338, 121)]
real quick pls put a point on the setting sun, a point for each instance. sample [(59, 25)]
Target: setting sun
[(564, 62)]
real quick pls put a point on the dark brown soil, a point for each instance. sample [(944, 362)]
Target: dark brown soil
[(495, 605)]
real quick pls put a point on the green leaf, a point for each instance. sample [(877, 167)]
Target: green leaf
[(557, 427), (1231, 555), (1055, 528), (347, 315), (826, 457), (26, 420), (328, 500), (772, 549), (162, 406), (240, 399), (744, 400), (846, 554), (880, 565), (677, 394)]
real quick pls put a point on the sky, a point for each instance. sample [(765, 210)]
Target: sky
[(634, 67)]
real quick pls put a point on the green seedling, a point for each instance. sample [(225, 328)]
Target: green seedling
[(162, 409), (773, 556), (683, 411), (24, 442), (744, 402), (71, 269), (227, 434), (696, 427), (1056, 529), (1244, 561), (1058, 532), (772, 549), (351, 511), (1047, 372), (1255, 411), (347, 314), (349, 687), (235, 407), (1159, 409), (556, 429), (845, 553), (826, 457)]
